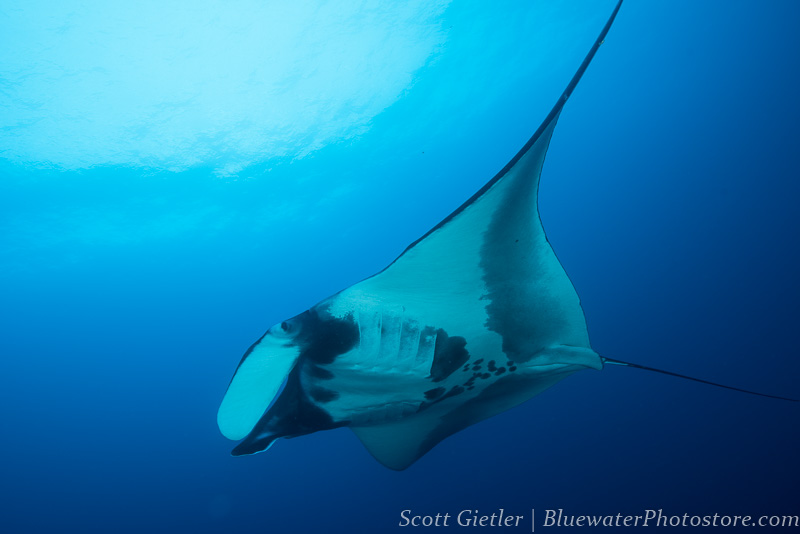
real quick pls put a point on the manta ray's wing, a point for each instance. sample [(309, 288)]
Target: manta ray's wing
[(487, 274), (399, 444)]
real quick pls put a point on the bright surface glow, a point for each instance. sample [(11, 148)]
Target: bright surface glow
[(171, 85), (117, 122)]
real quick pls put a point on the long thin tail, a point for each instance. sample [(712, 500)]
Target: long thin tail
[(637, 366)]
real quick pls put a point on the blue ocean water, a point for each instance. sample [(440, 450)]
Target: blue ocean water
[(176, 179)]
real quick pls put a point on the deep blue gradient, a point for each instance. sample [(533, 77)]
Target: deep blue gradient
[(670, 192)]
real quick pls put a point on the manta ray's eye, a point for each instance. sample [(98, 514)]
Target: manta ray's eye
[(285, 329)]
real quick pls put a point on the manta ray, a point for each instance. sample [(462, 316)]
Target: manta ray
[(472, 319)]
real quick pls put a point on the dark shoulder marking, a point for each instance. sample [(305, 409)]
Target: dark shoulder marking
[(434, 393), (449, 354), (324, 337)]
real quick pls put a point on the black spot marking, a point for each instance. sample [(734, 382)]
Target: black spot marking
[(500, 371), (509, 363), (323, 395), (491, 366), (455, 390), (434, 393), (512, 368), (478, 361), (485, 375), (449, 354)]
